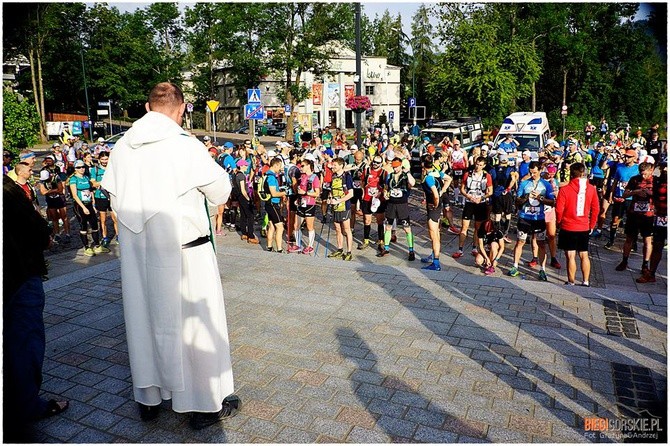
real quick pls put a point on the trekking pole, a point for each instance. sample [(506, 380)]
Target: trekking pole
[(323, 225), (328, 214)]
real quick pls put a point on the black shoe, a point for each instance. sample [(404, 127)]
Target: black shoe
[(229, 408), (411, 257), (383, 253), (148, 413)]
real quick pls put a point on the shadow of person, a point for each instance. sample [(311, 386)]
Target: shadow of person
[(396, 418)]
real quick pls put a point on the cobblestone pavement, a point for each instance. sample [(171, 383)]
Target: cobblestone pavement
[(372, 350)]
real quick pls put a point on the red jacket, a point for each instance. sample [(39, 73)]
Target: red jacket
[(568, 204)]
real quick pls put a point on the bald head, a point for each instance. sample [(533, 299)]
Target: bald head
[(168, 99)]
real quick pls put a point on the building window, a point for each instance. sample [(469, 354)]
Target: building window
[(230, 93), (369, 89)]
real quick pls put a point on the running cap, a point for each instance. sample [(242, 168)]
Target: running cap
[(206, 138), (242, 163), (396, 163), (526, 153), (631, 152), (228, 145), (79, 163), (55, 145), (25, 156), (44, 175)]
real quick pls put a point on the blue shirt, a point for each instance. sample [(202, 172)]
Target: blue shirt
[(596, 160), (429, 181), (621, 177), (83, 188), (533, 209), (524, 167), (508, 147), (271, 178), (96, 174)]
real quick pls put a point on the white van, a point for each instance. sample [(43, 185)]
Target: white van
[(530, 129)]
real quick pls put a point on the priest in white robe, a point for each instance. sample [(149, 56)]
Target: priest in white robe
[(159, 179)]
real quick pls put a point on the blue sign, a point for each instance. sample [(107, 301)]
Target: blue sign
[(391, 115), (412, 102), (253, 111), (254, 96), (287, 108)]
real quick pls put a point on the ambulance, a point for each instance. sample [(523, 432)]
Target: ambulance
[(530, 129)]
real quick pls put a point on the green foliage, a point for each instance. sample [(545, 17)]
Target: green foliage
[(20, 122)]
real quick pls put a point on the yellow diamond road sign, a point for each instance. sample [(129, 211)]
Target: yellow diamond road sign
[(213, 105)]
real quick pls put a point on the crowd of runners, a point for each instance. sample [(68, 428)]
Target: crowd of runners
[(507, 197)]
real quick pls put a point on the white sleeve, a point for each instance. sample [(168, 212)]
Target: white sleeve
[(218, 191)]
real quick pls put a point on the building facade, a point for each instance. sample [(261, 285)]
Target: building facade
[(326, 105)]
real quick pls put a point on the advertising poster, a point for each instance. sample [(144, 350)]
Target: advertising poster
[(317, 94), (333, 95), (348, 92)]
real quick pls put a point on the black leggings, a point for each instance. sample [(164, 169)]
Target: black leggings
[(247, 217), (85, 221)]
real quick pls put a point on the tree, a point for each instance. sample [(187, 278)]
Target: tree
[(302, 40), (164, 20), (423, 54), (20, 122)]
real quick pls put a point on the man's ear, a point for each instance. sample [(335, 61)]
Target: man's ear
[(147, 106)]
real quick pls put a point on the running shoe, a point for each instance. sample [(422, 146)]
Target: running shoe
[(105, 241), (433, 267), (490, 270), (294, 249), (555, 263), (363, 245), (394, 238), (89, 252), (244, 237), (542, 276), (68, 238), (444, 222), (513, 272), (457, 254), (454, 229), (253, 241), (231, 228), (347, 257), (622, 266), (264, 233), (533, 262), (474, 251), (383, 252), (647, 277), (609, 246), (634, 247), (597, 233), (308, 250), (100, 249), (507, 239), (411, 257), (428, 259), (586, 284), (336, 254), (569, 283)]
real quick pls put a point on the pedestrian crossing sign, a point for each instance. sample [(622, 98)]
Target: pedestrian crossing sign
[(254, 96)]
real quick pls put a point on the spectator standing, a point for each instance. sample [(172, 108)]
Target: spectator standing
[(660, 234), (26, 236), (52, 189)]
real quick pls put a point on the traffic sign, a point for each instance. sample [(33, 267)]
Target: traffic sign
[(254, 96), (565, 108), (213, 106), (287, 109), (253, 111), (103, 104), (189, 107), (391, 115), (412, 102)]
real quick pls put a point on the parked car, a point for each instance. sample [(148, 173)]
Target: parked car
[(245, 130), (112, 140), (468, 130)]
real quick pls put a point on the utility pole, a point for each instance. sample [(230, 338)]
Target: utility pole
[(358, 70)]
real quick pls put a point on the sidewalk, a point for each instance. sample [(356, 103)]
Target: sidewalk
[(373, 350)]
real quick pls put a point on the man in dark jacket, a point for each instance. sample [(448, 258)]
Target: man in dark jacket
[(26, 236)]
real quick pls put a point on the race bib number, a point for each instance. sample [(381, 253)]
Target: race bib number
[(458, 172), (372, 191), (357, 184), (86, 196), (654, 151), (396, 193), (303, 202), (661, 221), (641, 207), (532, 210), (327, 186)]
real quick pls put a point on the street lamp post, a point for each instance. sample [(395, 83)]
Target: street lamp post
[(88, 109), (358, 71)]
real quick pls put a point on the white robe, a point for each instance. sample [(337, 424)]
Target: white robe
[(158, 178)]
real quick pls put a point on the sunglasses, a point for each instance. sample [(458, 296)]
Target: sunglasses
[(629, 156), (80, 167)]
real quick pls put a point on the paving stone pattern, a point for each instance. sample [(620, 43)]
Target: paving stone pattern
[(368, 351), (620, 319)]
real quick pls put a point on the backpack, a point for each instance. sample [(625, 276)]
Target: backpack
[(482, 183), (264, 188), (501, 180)]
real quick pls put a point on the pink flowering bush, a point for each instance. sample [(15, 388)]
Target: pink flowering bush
[(358, 103)]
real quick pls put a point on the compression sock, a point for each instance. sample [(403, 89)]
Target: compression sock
[(380, 231), (95, 235), (366, 232), (311, 234), (506, 225), (645, 264), (84, 238), (410, 241), (298, 238), (387, 239), (265, 221)]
